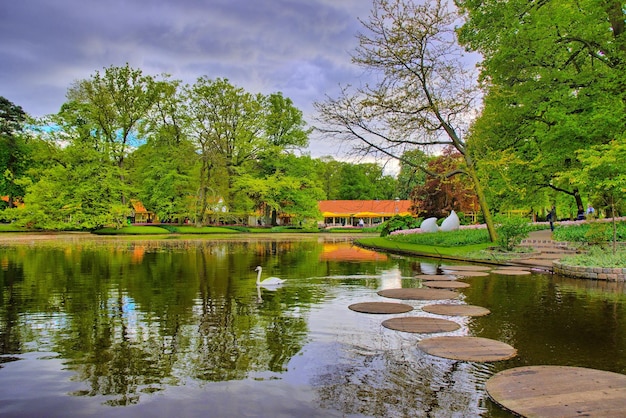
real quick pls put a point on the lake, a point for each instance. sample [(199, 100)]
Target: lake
[(127, 327)]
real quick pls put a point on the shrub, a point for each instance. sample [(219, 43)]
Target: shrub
[(598, 257), (593, 232), (399, 222), (511, 231)]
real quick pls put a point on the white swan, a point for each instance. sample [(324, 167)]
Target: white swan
[(270, 281)]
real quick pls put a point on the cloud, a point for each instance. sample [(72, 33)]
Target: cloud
[(301, 48)]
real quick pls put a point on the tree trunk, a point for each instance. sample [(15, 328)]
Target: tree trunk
[(482, 199)]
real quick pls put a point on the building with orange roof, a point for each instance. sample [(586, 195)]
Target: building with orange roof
[(372, 212), (139, 214)]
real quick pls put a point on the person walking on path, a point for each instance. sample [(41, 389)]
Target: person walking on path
[(552, 217)]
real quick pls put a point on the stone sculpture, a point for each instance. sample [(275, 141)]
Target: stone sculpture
[(429, 225), (451, 223)]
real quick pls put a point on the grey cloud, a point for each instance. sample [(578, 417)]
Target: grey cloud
[(298, 47)]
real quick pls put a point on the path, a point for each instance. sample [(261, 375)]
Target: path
[(546, 250)]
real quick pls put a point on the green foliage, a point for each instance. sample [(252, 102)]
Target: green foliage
[(14, 151), (511, 230), (398, 222), (10, 227), (460, 237), (598, 257), (594, 232), (549, 95)]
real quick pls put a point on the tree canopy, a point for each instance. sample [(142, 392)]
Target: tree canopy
[(424, 94)]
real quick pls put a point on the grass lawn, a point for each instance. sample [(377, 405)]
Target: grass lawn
[(11, 228), (203, 230), (462, 251), (133, 230)]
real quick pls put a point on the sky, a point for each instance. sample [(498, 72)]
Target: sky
[(301, 48)]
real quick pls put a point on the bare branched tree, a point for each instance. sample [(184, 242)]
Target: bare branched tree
[(425, 92)]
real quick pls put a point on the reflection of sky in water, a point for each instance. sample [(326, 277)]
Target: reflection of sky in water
[(153, 333)]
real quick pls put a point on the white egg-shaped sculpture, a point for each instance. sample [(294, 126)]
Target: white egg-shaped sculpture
[(429, 225), (451, 223)]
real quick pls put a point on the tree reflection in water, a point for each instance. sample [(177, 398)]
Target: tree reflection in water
[(184, 318)]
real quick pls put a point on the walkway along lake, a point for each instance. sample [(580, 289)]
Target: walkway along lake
[(122, 327)]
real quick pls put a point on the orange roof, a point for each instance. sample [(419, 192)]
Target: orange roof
[(138, 206), (362, 207)]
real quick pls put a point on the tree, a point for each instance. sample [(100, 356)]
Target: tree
[(78, 190), (440, 195), (424, 93), (604, 173), (108, 108), (410, 176), (13, 150), (232, 128), (554, 74), (164, 169)]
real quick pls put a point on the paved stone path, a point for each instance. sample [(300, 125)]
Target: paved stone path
[(546, 250)]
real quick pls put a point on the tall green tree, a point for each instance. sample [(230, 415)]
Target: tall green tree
[(108, 108), (410, 176), (80, 189), (423, 96), (604, 175), (14, 153), (233, 128), (365, 181), (283, 184), (164, 169), (554, 72)]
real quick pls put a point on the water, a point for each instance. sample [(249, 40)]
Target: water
[(160, 328)]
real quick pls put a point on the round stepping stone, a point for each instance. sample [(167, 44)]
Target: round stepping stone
[(559, 391), (435, 277), (418, 293), (509, 272), (463, 273), (446, 285), (467, 348), (418, 324), (456, 309), (380, 307), (466, 268)]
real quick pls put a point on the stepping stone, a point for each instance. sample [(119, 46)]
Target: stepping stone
[(466, 268), (559, 391), (380, 307), (446, 285), (418, 293), (467, 348), (510, 272), (417, 324), (462, 273), (456, 309), (435, 277)]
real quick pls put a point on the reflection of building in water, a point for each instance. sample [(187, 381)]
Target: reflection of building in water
[(345, 251), (391, 279)]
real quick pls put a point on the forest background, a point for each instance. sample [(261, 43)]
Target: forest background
[(541, 122)]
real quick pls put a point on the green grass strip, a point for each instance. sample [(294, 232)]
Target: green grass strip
[(204, 230), (12, 228), (463, 251), (133, 230)]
